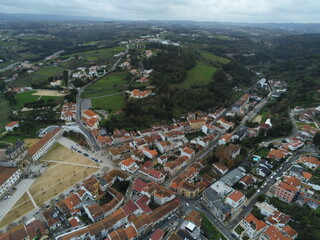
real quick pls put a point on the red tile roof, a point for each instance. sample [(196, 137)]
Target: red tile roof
[(90, 113), (139, 185), (236, 196), (254, 222), (11, 124), (274, 233), (290, 231), (127, 162), (143, 204), (307, 175), (293, 181), (188, 150), (157, 234), (287, 187), (130, 207)]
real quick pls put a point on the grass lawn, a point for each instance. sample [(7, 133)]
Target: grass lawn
[(214, 58), (210, 231), (113, 103), (191, 136), (74, 63), (99, 54), (27, 97), (239, 230), (263, 152), (38, 76), (12, 138), (302, 124), (200, 74), (6, 110), (109, 84)]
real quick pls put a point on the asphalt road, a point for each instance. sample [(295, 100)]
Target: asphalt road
[(270, 180), (9, 67), (79, 100)]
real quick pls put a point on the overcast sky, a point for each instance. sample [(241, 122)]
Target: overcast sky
[(303, 11)]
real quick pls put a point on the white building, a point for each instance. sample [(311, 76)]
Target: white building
[(129, 165), (236, 199), (44, 144), (8, 177), (10, 126), (188, 152)]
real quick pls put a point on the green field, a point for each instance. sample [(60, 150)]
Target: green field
[(113, 103), (12, 138), (27, 97), (109, 84), (210, 231), (74, 63), (38, 76), (214, 58), (4, 116), (99, 54), (200, 74)]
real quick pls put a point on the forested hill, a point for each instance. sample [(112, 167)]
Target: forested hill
[(296, 46), (296, 59)]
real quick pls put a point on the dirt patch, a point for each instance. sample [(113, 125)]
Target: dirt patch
[(257, 119), (21, 208), (50, 93), (56, 180), (69, 168), (63, 154)]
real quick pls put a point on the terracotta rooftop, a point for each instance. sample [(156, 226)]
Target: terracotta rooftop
[(188, 150), (90, 113), (274, 233), (127, 162), (130, 207), (255, 223), (287, 187), (236, 196), (139, 185), (312, 160), (157, 234), (290, 231), (248, 180), (307, 175), (293, 181), (11, 124)]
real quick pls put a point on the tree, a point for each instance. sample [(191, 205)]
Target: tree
[(65, 77), (261, 198), (316, 139), (219, 76)]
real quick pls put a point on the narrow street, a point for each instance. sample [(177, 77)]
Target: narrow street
[(91, 139)]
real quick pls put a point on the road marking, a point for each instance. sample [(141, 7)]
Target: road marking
[(76, 164), (32, 200)]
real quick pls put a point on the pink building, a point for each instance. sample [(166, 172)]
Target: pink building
[(286, 192)]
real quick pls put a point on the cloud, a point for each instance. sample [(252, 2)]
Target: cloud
[(202, 10)]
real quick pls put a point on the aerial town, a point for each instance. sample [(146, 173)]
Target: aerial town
[(108, 142)]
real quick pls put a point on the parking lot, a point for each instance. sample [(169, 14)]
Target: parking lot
[(101, 157)]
